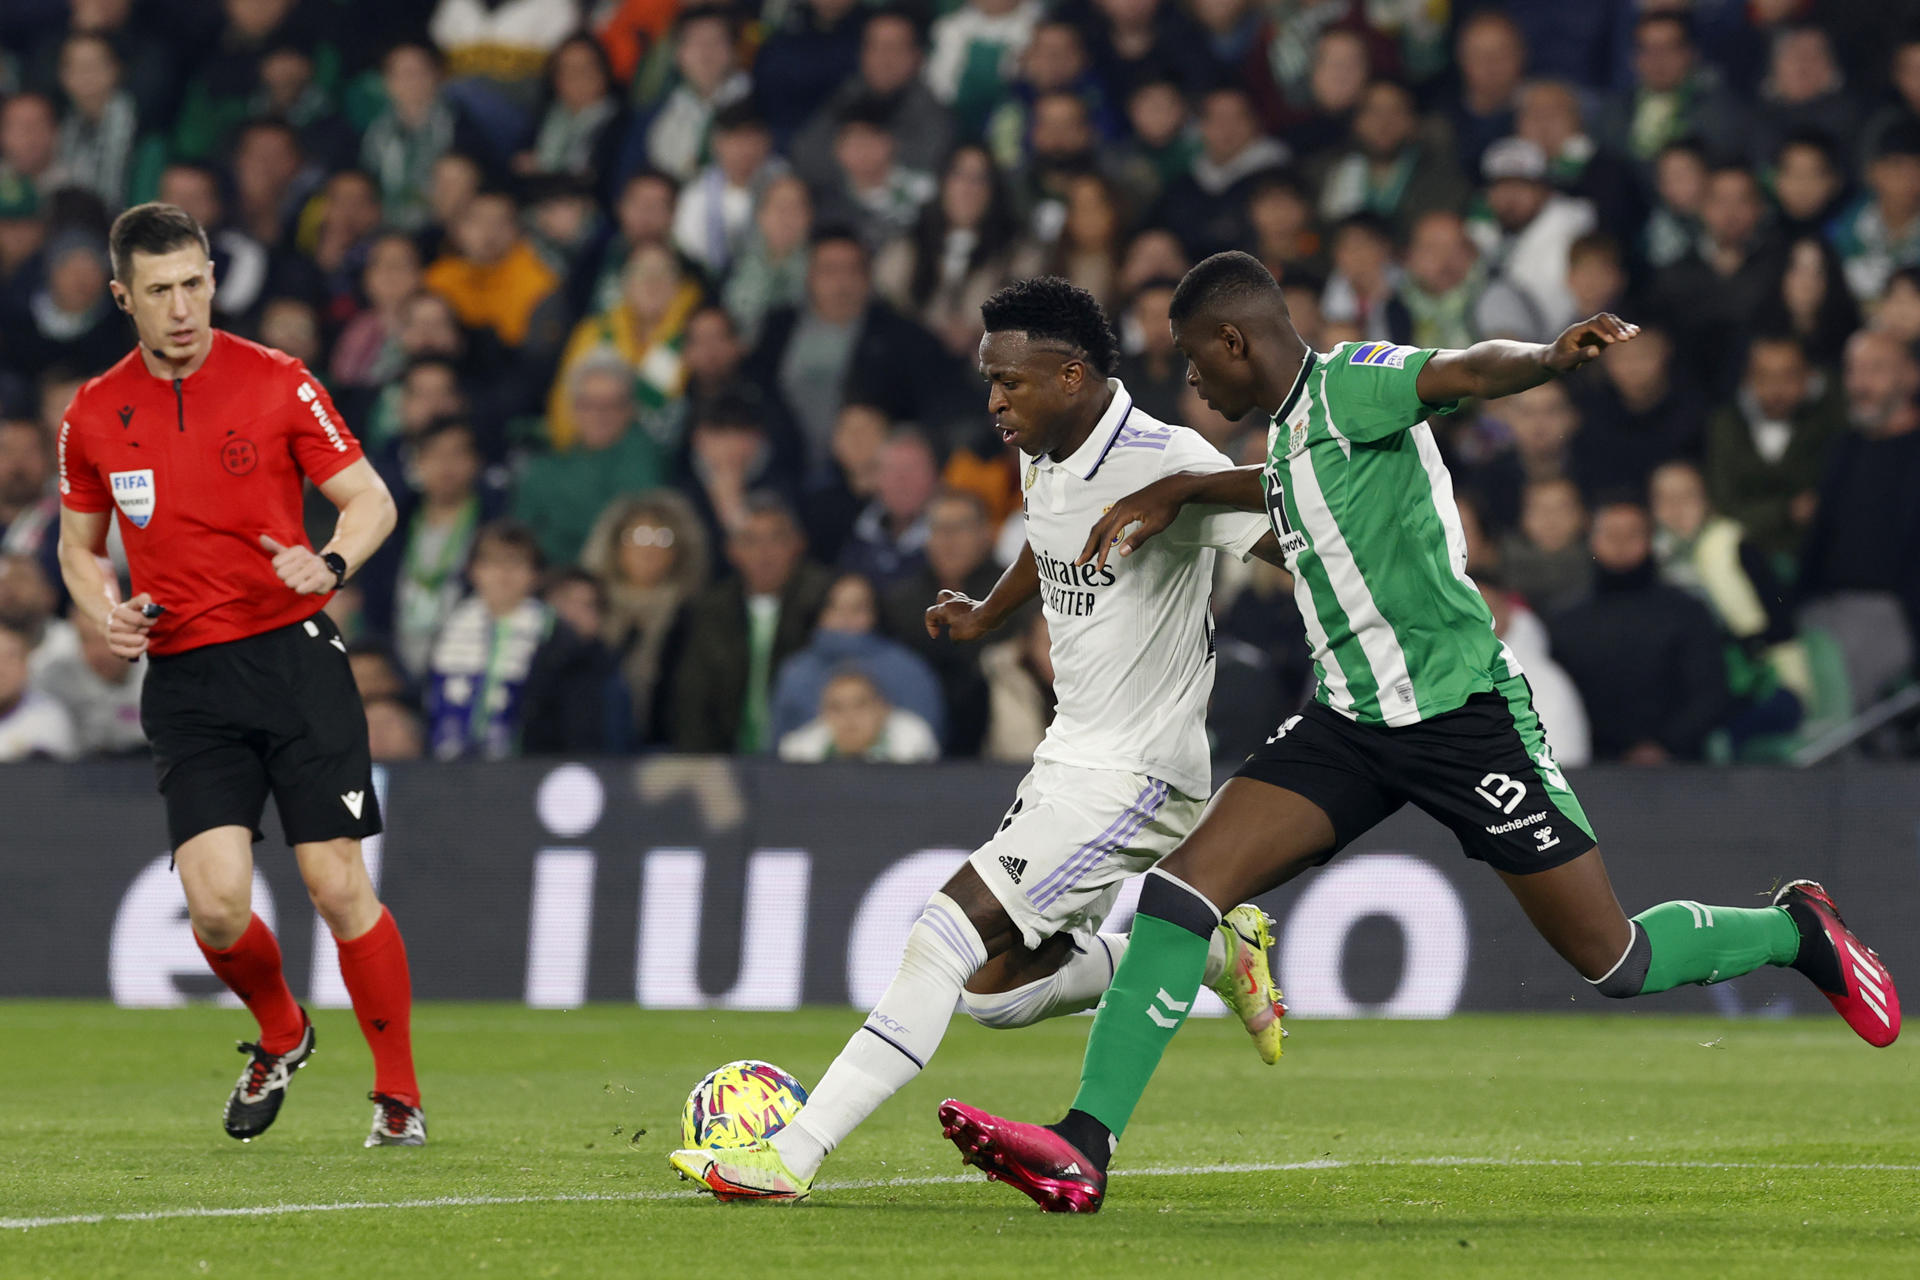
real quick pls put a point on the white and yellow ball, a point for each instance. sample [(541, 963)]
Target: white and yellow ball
[(739, 1103)]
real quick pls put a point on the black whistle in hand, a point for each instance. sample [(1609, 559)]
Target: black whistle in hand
[(152, 610)]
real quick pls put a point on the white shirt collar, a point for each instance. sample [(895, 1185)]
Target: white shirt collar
[(1086, 460)]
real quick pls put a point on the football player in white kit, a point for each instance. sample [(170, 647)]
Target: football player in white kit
[(1122, 774)]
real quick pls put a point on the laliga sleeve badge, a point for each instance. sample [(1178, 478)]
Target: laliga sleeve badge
[(133, 493)]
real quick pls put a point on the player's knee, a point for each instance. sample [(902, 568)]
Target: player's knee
[(340, 890), (945, 940), (220, 919), (1003, 1010), (1628, 975)]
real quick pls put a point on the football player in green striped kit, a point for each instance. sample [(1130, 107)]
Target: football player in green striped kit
[(1417, 701)]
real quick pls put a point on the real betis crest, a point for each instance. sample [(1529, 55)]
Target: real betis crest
[(1296, 438)]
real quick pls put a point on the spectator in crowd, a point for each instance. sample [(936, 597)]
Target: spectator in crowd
[(1556, 700), (1638, 412), (1880, 233), (412, 589), (1546, 558), (740, 631), (1767, 448), (29, 507), (856, 722), (975, 50), (712, 356), (959, 557), (644, 332), (394, 731), (1804, 92), (1597, 275), (71, 322), (1020, 698), (1206, 205), (845, 344), (1812, 302), (1680, 188), (1163, 144), (706, 58), (1675, 94), (1551, 117), (579, 603), (1286, 235), (32, 724), (1860, 563), (770, 271), (30, 141), (812, 53), (1491, 54), (847, 637), (1321, 72), (643, 215), (495, 53), (494, 279), (377, 673), (715, 212), (1899, 312), (99, 690), (1361, 291), (1808, 184), (1091, 240), (1528, 231), (367, 352), (1154, 371), (650, 551), (100, 137), (1139, 39), (561, 494), (1542, 423), (1711, 558), (892, 55), (1645, 656), (1055, 61), (870, 190), (839, 492), (963, 245), (889, 539), (1444, 297), (1391, 171), (503, 679), (406, 140), (731, 455), (1902, 102), (1710, 292), (582, 126)]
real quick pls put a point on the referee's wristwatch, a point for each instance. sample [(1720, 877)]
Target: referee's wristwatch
[(338, 563)]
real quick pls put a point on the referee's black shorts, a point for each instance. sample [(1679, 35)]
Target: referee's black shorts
[(277, 712)]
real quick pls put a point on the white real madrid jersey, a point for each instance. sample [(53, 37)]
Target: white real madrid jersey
[(1132, 644)]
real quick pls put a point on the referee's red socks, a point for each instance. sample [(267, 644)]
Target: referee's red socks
[(251, 970), (375, 968)]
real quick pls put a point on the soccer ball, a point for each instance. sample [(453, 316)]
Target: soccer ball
[(739, 1103)]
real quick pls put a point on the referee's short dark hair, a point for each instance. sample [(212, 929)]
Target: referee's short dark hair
[(1051, 309), (152, 228), (1222, 277)]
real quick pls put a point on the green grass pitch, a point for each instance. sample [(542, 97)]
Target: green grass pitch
[(1628, 1145)]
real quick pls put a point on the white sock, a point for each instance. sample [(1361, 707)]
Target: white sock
[(898, 1039)]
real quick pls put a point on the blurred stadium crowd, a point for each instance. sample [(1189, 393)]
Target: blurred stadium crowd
[(659, 320)]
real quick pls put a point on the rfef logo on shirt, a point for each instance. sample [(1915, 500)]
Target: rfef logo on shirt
[(133, 493), (1384, 355)]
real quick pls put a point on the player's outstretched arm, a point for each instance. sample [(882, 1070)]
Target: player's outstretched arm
[(969, 619), (1497, 367), (1155, 507)]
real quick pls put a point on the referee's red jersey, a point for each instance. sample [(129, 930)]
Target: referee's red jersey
[(196, 470)]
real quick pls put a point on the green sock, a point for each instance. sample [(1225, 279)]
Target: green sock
[(1144, 1006), (1691, 942)]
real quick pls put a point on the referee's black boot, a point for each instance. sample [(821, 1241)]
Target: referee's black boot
[(262, 1087)]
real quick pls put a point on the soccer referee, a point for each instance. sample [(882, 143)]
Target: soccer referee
[(201, 441)]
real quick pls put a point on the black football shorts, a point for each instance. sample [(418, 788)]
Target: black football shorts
[(274, 713), (1483, 769)]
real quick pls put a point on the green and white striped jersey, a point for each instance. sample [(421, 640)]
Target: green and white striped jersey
[(1364, 511)]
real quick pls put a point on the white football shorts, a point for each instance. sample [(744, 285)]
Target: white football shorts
[(1072, 837)]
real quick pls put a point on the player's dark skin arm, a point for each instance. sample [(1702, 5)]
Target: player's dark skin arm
[(1489, 370), (969, 619)]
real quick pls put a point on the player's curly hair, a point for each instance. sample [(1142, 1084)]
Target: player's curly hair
[(1223, 277), (1048, 308)]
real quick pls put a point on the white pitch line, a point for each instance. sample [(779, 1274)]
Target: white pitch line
[(872, 1184)]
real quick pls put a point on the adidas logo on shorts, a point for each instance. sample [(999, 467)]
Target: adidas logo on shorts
[(1014, 867)]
